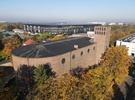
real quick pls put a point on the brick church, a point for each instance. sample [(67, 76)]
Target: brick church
[(65, 54)]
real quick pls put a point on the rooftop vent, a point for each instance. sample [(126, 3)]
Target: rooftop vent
[(76, 46)]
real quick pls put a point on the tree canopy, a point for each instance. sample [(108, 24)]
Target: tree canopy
[(10, 26), (42, 37), (96, 84), (57, 37), (40, 75), (11, 44), (118, 32)]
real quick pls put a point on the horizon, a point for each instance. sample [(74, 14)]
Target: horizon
[(75, 11)]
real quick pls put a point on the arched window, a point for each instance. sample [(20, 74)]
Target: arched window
[(81, 53), (104, 29), (93, 48), (63, 60), (73, 56), (88, 50)]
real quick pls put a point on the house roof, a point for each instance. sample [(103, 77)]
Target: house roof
[(29, 41), (53, 48)]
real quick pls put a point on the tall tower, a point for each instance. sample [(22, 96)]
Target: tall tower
[(102, 38)]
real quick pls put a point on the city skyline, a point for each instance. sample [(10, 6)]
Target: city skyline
[(67, 10)]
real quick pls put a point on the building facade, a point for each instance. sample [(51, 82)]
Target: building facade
[(129, 42), (102, 38), (59, 29), (65, 54)]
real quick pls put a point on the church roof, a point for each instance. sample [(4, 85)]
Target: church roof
[(53, 48)]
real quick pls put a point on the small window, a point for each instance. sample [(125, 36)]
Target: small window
[(104, 29), (81, 53), (93, 48), (102, 33), (63, 60), (73, 56), (88, 50)]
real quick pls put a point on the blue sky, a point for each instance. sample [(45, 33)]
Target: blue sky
[(67, 10)]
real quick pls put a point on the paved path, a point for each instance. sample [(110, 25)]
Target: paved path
[(6, 64)]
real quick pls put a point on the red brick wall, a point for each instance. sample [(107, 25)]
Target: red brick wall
[(102, 38), (55, 62)]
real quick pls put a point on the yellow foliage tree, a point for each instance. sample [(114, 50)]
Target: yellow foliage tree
[(112, 71), (64, 87), (99, 83), (96, 84), (57, 37), (13, 43), (118, 61)]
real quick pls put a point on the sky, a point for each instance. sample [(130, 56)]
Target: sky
[(67, 10)]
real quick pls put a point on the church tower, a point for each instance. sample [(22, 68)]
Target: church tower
[(102, 38)]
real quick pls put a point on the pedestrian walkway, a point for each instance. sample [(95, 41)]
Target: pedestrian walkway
[(6, 64)]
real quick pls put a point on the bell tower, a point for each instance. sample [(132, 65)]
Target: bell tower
[(102, 38)]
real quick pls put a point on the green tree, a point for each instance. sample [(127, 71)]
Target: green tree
[(40, 75), (43, 37)]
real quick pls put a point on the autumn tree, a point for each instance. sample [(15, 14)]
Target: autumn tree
[(3, 26), (111, 72), (99, 83), (11, 44), (78, 72), (118, 32), (9, 91), (64, 87), (118, 61), (45, 91), (57, 37), (10, 26)]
